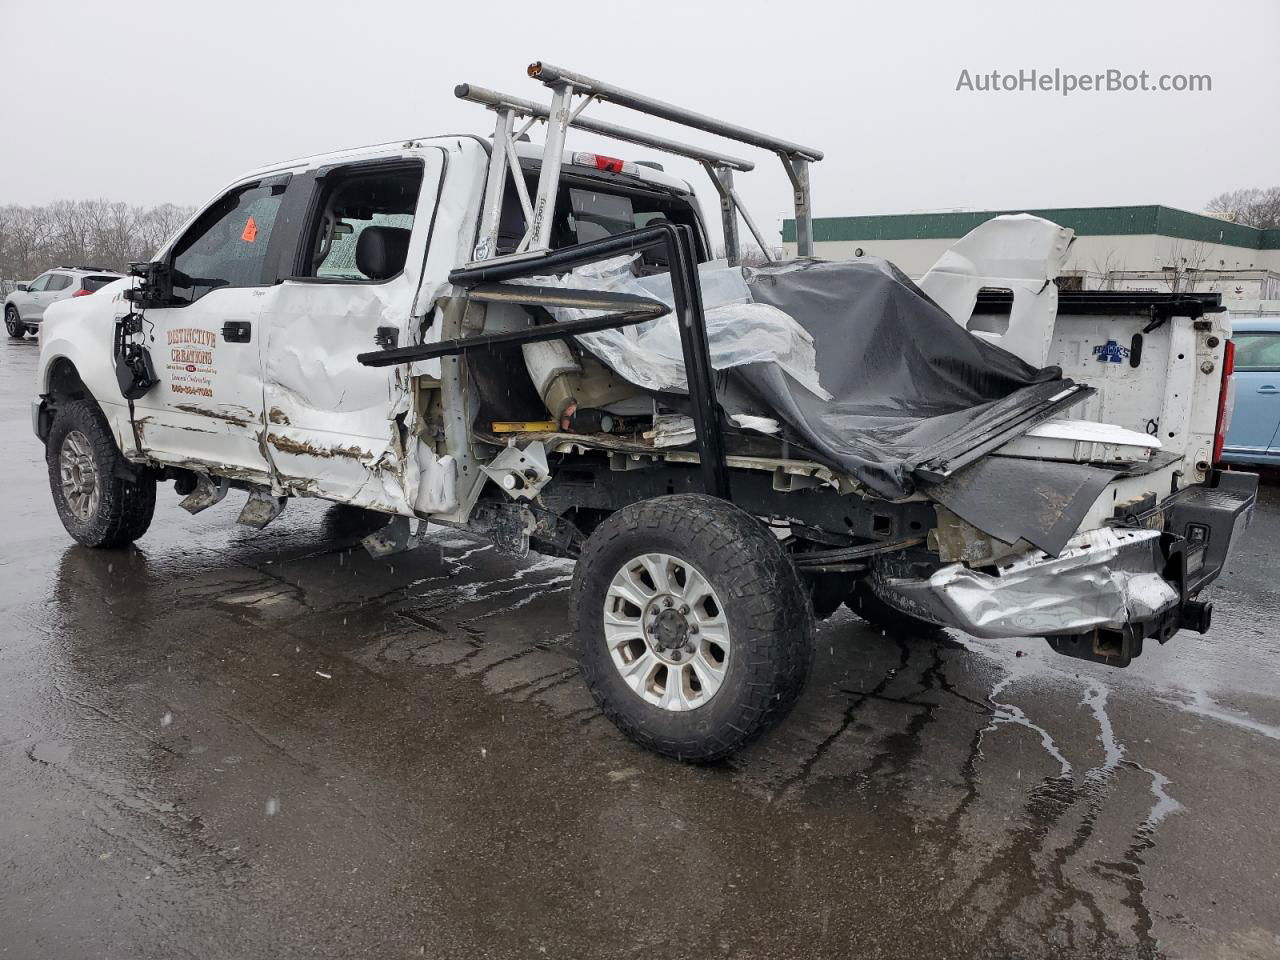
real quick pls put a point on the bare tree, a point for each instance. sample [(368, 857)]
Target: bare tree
[(1186, 265), (1253, 206), (96, 233), (1107, 268), (750, 255)]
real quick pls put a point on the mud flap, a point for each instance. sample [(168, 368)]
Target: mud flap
[(395, 537), (208, 492), (261, 508)]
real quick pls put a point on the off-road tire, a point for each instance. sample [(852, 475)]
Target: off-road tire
[(864, 602), (13, 323), (769, 616), (126, 500)]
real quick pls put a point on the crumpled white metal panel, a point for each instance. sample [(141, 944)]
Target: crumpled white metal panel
[(1103, 578), (1015, 252)]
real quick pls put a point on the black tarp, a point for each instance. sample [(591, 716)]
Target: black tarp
[(906, 379)]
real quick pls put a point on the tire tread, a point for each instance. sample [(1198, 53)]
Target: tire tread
[(125, 506), (773, 635)]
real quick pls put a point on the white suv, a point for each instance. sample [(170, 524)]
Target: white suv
[(24, 308)]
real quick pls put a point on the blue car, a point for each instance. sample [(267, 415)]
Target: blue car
[(1254, 434)]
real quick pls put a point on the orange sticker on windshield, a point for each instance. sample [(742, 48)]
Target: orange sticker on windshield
[(250, 232)]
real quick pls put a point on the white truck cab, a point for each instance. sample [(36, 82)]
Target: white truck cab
[(441, 330)]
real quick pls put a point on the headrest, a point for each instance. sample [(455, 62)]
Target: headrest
[(380, 251)]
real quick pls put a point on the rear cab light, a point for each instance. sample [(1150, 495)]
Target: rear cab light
[(1226, 401), (601, 162)]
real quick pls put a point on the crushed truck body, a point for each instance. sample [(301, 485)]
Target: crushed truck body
[(535, 345)]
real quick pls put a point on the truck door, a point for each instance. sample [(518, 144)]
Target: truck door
[(207, 408), (1255, 423), (333, 426), (31, 304), (55, 290)]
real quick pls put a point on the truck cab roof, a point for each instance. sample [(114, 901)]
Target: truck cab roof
[(530, 155)]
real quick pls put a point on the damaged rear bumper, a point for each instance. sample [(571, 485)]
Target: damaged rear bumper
[(1107, 591)]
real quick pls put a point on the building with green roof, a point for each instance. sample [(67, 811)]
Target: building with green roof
[(1129, 248)]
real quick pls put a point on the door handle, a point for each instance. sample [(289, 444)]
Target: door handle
[(237, 331), (1268, 388)]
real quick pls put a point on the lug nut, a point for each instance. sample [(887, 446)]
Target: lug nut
[(688, 648), (684, 609), (675, 655), (668, 603), (693, 628)]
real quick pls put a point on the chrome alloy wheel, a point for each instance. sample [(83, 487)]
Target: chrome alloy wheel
[(79, 475), (667, 632)]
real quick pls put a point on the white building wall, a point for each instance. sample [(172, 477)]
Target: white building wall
[(1094, 254)]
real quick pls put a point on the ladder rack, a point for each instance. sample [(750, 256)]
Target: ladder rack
[(564, 113)]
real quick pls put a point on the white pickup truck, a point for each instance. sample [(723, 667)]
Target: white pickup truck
[(535, 345)]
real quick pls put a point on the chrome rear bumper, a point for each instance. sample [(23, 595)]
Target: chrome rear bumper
[(1107, 591)]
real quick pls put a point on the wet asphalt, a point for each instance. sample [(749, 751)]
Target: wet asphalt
[(227, 743)]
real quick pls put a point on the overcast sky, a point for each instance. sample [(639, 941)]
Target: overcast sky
[(168, 101)]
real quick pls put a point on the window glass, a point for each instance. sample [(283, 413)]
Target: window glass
[(1257, 351), (58, 281), (93, 284), (599, 215), (39, 283), (227, 246), (358, 201)]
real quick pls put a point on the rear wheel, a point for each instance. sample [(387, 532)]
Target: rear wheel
[(13, 323), (101, 500), (694, 633)]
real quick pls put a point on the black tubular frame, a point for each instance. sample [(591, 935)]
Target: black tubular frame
[(678, 241)]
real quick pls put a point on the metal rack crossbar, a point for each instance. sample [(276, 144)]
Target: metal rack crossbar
[(564, 113)]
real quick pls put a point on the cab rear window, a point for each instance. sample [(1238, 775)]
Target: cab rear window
[(587, 211)]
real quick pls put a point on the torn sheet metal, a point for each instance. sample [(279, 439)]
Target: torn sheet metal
[(1019, 253), (1041, 502), (1083, 441), (521, 473), (334, 427), (1104, 578)]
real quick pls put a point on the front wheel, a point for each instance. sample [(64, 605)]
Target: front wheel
[(13, 323), (694, 633), (100, 499)]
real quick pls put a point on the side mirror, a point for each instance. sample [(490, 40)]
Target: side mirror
[(22, 286), (155, 287)]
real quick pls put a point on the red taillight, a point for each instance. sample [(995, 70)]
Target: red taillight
[(82, 292), (599, 161), (1226, 400)]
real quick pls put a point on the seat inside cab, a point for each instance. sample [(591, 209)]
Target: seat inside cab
[(554, 380)]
